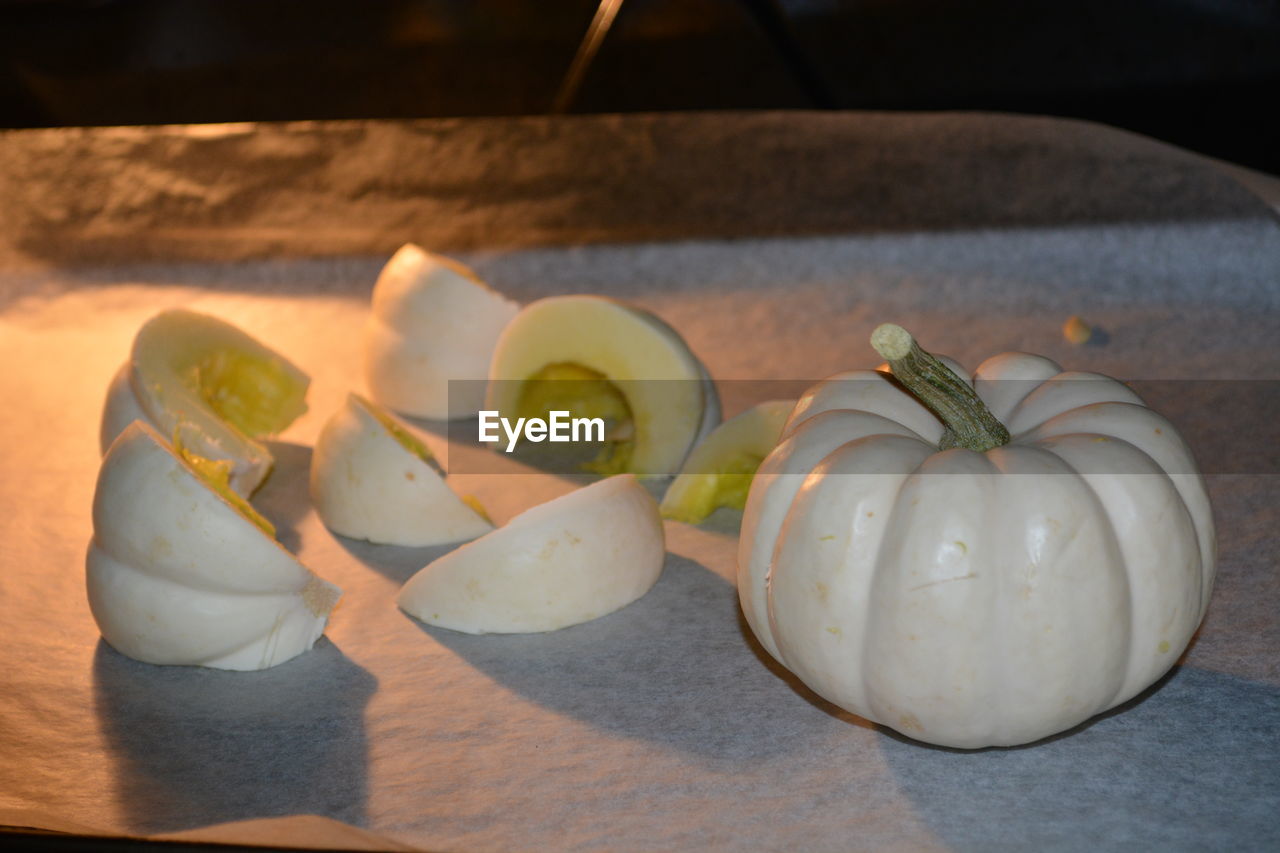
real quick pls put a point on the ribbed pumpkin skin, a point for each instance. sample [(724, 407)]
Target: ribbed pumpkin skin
[(977, 599), (176, 575)]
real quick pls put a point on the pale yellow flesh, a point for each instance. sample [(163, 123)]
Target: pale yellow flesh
[(474, 502), (216, 474), (256, 395), (719, 471), (661, 382), (583, 393), (704, 493), (397, 430)]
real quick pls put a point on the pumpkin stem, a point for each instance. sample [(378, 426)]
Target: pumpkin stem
[(969, 423)]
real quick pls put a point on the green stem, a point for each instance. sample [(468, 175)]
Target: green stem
[(969, 423)]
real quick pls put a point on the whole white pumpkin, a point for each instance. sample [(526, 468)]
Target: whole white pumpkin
[(971, 598)]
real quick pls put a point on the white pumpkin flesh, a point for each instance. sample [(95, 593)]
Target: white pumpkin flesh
[(373, 479), (561, 563), (972, 598)]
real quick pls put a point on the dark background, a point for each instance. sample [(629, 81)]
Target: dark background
[(1202, 74)]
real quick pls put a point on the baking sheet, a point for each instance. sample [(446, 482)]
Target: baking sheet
[(660, 726)]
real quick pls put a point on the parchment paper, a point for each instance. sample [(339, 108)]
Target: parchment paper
[(774, 243)]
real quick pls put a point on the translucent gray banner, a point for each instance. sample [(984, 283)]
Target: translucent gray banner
[(574, 426)]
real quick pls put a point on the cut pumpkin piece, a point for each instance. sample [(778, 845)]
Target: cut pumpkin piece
[(213, 386), (597, 357), (567, 561), (718, 472), (181, 571), (433, 320), (372, 478)]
